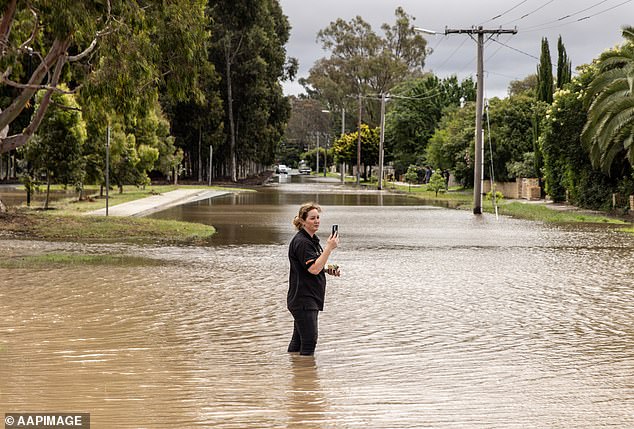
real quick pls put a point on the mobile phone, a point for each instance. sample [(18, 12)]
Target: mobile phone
[(335, 229)]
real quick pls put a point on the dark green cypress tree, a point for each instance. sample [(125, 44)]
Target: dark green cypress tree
[(564, 65), (545, 75)]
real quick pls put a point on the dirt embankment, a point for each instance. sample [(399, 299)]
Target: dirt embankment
[(14, 222)]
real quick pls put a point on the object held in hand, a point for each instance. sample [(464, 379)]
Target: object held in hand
[(333, 270)]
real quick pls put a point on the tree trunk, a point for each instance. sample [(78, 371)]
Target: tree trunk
[(200, 153), (3, 207), (232, 126), (7, 21), (48, 189), (57, 52)]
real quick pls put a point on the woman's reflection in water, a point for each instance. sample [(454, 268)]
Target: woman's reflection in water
[(306, 402)]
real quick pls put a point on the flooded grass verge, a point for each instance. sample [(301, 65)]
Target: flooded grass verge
[(54, 226), (71, 259), (541, 212), (463, 199)]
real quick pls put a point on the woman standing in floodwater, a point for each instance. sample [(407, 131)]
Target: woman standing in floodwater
[(307, 278)]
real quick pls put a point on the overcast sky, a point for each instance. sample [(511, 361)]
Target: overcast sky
[(589, 28)]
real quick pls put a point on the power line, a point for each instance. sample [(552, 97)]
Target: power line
[(503, 75), (604, 10), (453, 53), (516, 50), (546, 25), (554, 66), (566, 16), (504, 13), (529, 13), (498, 49), (442, 39), (422, 97)]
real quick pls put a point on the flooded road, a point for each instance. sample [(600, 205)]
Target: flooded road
[(440, 320)]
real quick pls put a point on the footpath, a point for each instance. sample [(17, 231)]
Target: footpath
[(155, 203)]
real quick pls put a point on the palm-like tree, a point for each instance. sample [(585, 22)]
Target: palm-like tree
[(609, 130)]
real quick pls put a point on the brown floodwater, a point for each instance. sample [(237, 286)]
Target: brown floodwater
[(441, 320), (12, 196)]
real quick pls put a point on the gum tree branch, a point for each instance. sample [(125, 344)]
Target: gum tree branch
[(25, 46), (17, 140), (5, 25)]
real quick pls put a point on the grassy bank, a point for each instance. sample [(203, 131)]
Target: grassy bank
[(66, 221), (53, 226), (71, 259)]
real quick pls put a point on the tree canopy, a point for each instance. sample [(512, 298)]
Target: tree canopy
[(609, 131), (248, 51), (364, 62), (120, 52), (415, 112)]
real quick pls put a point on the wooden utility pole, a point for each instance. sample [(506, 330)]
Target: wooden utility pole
[(107, 167), (359, 141), (343, 132), (317, 168), (381, 142), (479, 148)]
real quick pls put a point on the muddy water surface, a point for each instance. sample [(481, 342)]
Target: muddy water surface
[(441, 320)]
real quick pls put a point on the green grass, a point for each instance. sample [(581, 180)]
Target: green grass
[(457, 196), (74, 259), (463, 198), (66, 220), (543, 213), (56, 226), (71, 205)]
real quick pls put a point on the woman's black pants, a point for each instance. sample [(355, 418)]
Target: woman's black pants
[(304, 332)]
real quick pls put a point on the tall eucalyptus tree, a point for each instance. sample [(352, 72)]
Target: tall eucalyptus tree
[(364, 62), (247, 49)]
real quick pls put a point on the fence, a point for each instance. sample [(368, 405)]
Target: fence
[(524, 188), (623, 202)]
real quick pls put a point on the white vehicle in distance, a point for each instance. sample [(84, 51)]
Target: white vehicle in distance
[(304, 168), (281, 169)]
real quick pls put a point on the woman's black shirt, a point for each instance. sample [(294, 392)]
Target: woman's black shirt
[(306, 291)]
